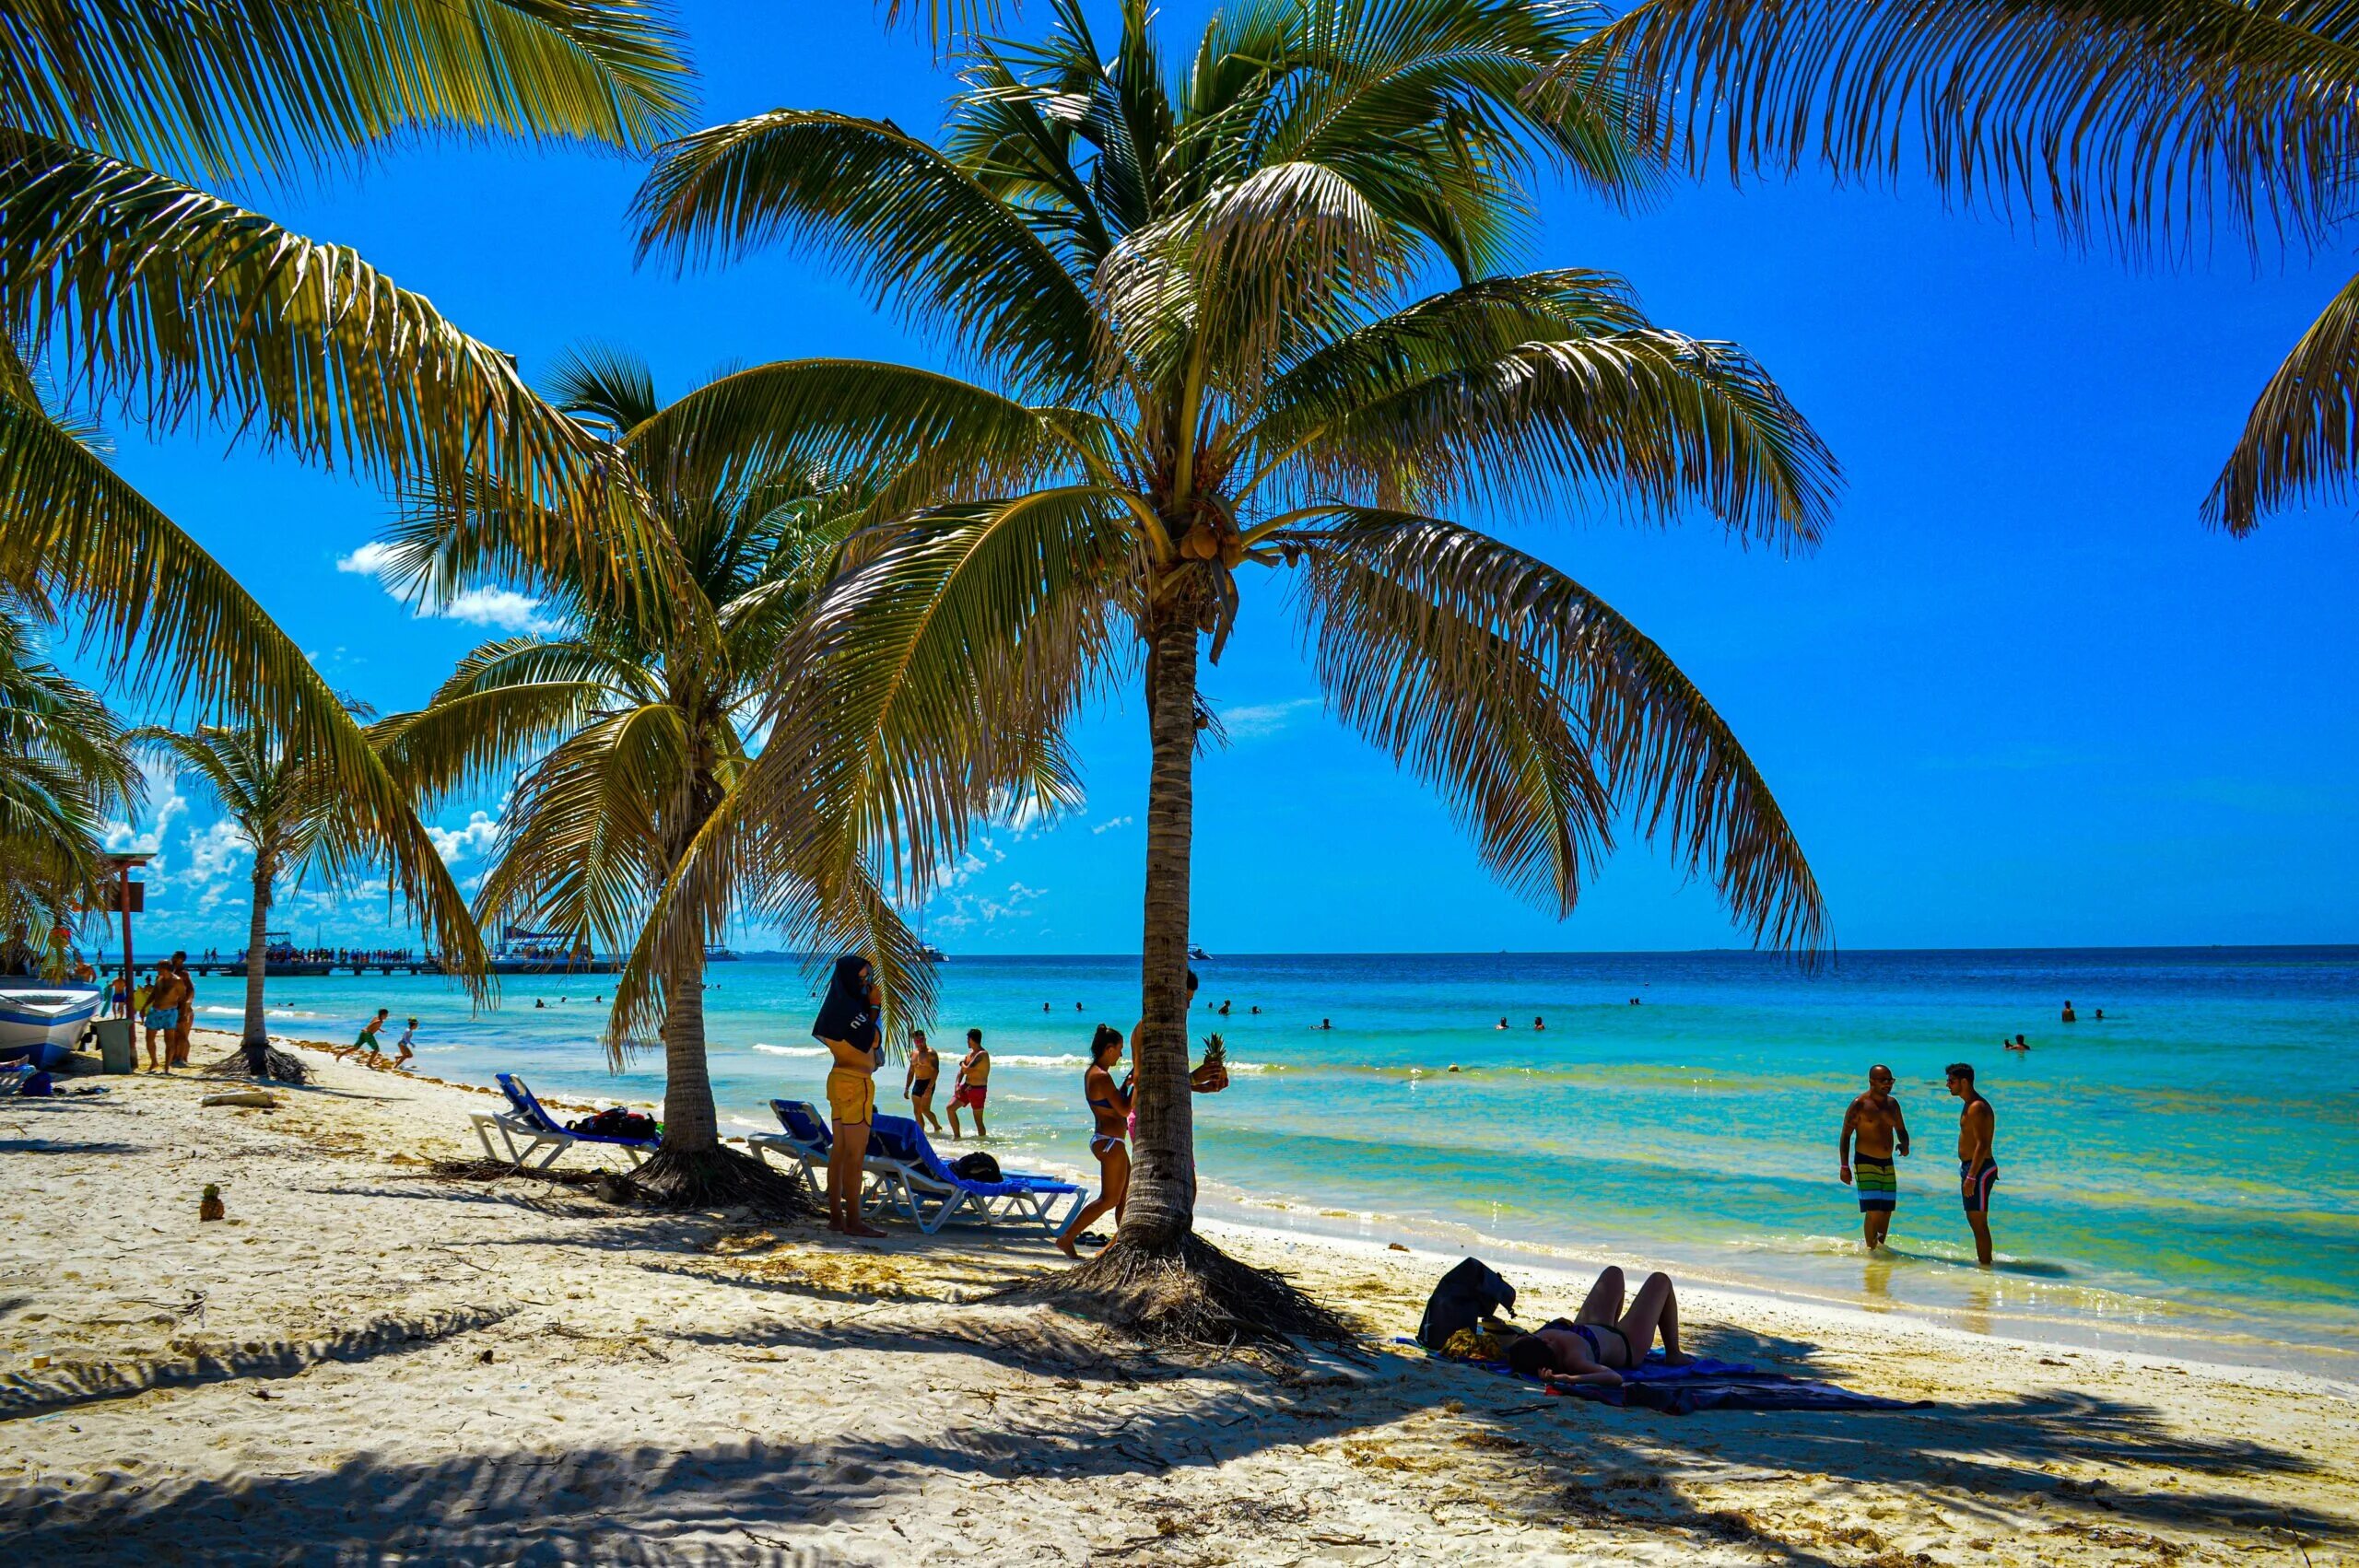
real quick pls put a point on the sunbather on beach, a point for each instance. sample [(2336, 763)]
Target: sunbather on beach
[(1603, 1341), (847, 1027), (1978, 1165), (974, 1085), (1110, 1109), (1875, 1122), (925, 1068)]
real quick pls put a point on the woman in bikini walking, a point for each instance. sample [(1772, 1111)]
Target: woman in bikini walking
[(1110, 1109)]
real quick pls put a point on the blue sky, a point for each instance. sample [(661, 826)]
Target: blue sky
[(2020, 695)]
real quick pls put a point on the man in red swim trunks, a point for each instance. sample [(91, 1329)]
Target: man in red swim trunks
[(974, 1085)]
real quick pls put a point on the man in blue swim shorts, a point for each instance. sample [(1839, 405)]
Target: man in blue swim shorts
[(1978, 1167)]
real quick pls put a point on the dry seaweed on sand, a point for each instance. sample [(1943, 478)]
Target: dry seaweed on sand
[(280, 1067), (1195, 1295)]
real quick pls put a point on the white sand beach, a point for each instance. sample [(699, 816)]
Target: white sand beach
[(365, 1363)]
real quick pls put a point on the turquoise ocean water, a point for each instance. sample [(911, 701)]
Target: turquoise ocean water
[(2182, 1177)]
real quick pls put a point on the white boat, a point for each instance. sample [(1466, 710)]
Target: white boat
[(32, 1014), (1200, 955)]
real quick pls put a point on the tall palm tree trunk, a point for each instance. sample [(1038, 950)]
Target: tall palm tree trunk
[(1157, 1277), (693, 1169), (256, 1038), (1161, 1207), (691, 1124)]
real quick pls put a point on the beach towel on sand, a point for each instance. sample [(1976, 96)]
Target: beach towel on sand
[(1708, 1385)]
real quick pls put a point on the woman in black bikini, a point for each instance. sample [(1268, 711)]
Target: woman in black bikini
[(1112, 1108), (1603, 1341), (925, 1067)]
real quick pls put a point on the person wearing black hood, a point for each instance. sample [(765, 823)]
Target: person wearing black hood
[(847, 1025)]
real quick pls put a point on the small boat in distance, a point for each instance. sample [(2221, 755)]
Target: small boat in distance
[(522, 952), (715, 954), (33, 1013), (930, 954), (1199, 954)]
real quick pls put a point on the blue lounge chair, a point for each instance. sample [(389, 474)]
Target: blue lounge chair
[(527, 1120), (805, 1139), (933, 1195)]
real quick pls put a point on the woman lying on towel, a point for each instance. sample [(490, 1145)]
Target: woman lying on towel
[(1603, 1341)]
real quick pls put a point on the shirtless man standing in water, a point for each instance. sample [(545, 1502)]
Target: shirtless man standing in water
[(1978, 1167), (1875, 1121)]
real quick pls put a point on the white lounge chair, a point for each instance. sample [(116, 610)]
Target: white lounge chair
[(526, 1119)]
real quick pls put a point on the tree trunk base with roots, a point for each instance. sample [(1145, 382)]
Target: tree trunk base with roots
[(720, 1178), (1191, 1294), (278, 1066)]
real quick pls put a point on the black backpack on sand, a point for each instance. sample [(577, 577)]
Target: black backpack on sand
[(1466, 1295), (977, 1166)]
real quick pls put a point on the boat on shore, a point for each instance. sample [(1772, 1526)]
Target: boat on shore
[(34, 1013)]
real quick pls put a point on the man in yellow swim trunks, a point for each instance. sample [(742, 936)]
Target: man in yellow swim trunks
[(847, 1025)]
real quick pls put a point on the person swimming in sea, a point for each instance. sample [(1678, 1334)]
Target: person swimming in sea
[(1500, 1024), (917, 1085), (1323, 1025), (1875, 1125), (847, 1025), (1602, 1340), (1540, 1023), (1109, 1108), (2069, 1016)]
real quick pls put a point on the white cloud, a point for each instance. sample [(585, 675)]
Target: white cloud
[(372, 559), (214, 852), (1256, 719), (503, 608), (456, 843), (1109, 826), (166, 804)]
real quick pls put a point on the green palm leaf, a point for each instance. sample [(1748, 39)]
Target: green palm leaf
[(922, 234), (1537, 707), (221, 89)]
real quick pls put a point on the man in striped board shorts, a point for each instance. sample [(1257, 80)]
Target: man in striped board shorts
[(1875, 1125)]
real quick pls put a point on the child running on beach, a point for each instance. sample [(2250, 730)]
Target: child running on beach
[(974, 1085), (1109, 1107), (367, 1039), (409, 1038)]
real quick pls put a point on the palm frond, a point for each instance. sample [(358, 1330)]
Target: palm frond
[(923, 235), (2302, 438), (2134, 121), (1426, 631), (222, 88), (1645, 417), (168, 301), (601, 382)]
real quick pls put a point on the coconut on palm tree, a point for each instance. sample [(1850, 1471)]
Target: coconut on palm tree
[(2144, 124), (298, 819), (122, 273), (1208, 371), (630, 730)]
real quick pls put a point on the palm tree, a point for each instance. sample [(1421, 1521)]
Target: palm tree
[(631, 729), (148, 293), (1197, 287), (295, 815), (63, 766), (2137, 124)]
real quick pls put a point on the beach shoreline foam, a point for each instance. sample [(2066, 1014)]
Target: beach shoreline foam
[(368, 1363)]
